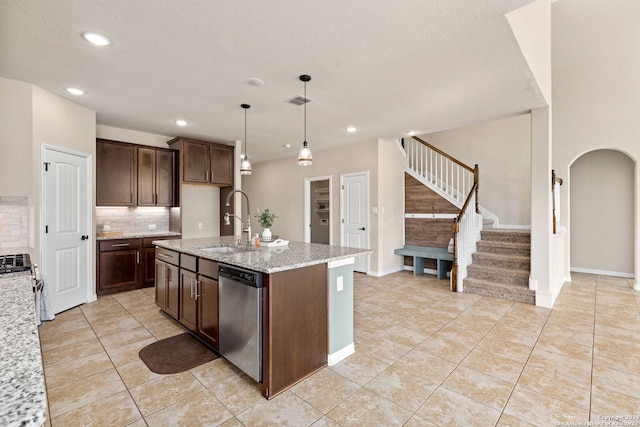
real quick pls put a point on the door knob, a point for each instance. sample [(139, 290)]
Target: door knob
[(361, 229), (85, 237)]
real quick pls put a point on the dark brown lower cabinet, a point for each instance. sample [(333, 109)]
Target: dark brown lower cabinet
[(188, 315), (168, 284), (119, 267)]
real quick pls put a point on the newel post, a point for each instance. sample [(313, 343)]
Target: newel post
[(476, 180), (454, 268)]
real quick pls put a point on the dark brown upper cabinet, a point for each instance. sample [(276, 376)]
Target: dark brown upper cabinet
[(204, 162), (134, 175), (156, 170), (116, 173)]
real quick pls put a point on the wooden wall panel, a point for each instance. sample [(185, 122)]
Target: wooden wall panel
[(428, 232), (418, 198)]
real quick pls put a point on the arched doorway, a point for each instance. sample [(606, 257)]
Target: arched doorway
[(602, 205)]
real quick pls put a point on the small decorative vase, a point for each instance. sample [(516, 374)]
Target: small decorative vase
[(266, 235)]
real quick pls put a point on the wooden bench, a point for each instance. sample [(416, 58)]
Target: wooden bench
[(420, 253)]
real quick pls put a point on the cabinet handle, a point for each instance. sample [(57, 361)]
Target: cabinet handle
[(120, 244), (196, 289), (138, 257), (206, 176), (166, 275), (164, 255)]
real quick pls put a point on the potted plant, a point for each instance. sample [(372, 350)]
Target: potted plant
[(266, 219)]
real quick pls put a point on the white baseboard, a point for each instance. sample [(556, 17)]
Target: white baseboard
[(603, 272), (385, 272), (341, 354)]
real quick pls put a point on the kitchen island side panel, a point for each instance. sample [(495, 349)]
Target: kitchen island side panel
[(340, 293), (296, 326)]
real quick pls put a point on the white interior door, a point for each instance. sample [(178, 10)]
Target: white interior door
[(67, 260), (354, 209)]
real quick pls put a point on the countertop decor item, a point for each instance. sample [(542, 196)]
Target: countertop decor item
[(266, 219)]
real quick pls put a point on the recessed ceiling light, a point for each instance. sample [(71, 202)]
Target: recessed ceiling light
[(411, 132), (351, 129), (96, 39), (254, 81), (75, 91), (182, 122), (287, 145)]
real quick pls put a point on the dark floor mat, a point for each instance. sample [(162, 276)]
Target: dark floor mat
[(176, 354)]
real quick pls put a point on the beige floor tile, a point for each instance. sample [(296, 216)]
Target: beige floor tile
[(426, 366), (237, 393), (443, 346), (325, 389), (136, 373), (286, 409), (416, 421), (116, 410), (82, 392), (560, 364), (505, 348), (402, 388), (483, 388), (366, 408), (609, 402), (76, 369), (124, 324), (383, 349), (554, 383), (59, 326), (201, 409), (164, 391), (359, 367), (405, 336), (447, 408), (554, 333), (215, 372), (128, 353), (612, 379), (70, 352), (49, 342), (325, 422), (493, 364), (126, 337), (503, 332), (494, 305), (541, 410), (507, 420)]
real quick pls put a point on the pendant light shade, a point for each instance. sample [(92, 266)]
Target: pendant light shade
[(245, 166), (304, 157)]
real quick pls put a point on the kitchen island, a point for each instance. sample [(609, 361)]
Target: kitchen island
[(307, 304)]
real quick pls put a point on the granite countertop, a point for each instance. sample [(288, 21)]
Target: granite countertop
[(112, 235), (23, 398), (264, 259)]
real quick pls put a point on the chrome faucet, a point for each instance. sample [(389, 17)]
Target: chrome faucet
[(227, 215)]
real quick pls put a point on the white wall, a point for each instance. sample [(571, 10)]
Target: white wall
[(595, 95), (279, 186), (502, 151)]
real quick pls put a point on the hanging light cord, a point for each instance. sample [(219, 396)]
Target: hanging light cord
[(245, 135), (305, 113)]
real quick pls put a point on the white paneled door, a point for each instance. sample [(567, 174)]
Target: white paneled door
[(354, 210), (67, 251)]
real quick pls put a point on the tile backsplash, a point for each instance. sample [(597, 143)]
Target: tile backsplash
[(14, 222), (131, 220)]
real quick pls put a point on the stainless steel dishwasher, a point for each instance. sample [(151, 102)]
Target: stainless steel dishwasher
[(240, 318)]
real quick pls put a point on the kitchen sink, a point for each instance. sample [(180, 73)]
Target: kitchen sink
[(226, 249)]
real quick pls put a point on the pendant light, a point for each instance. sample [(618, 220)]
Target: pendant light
[(245, 166), (304, 157)]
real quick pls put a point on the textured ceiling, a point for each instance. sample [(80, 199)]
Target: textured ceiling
[(385, 67)]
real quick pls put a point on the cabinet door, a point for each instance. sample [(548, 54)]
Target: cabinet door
[(208, 310), (115, 174), (188, 299), (146, 176), (173, 291), (221, 165), (118, 269), (165, 173), (195, 162), (148, 266), (161, 284)]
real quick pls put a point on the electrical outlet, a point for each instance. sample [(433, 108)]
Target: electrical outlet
[(199, 226), (340, 282), (152, 226), (106, 227)]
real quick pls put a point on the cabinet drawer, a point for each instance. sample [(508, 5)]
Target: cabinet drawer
[(189, 262), (119, 244), (208, 268), (169, 256)]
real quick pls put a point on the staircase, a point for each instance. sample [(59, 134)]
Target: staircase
[(501, 266)]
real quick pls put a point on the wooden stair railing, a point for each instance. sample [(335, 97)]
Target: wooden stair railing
[(451, 177)]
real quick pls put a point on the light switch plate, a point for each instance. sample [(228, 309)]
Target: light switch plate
[(152, 226), (340, 282)]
